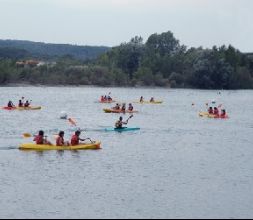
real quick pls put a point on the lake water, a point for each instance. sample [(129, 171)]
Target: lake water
[(177, 166)]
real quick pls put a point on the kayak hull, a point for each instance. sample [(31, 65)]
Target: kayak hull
[(32, 146), (207, 115), (121, 129), (118, 111), (22, 108)]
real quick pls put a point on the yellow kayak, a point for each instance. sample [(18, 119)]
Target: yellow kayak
[(32, 146), (148, 102), (22, 108), (28, 108)]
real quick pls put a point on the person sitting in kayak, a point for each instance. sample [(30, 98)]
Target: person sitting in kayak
[(40, 139), (223, 114), (119, 124), (142, 99), (152, 99), (27, 104), (75, 140), (130, 107), (117, 107), (20, 104), (216, 111), (210, 111), (123, 108), (109, 98), (10, 104), (102, 99), (60, 140)]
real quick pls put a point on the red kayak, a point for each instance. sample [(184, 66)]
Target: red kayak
[(9, 108)]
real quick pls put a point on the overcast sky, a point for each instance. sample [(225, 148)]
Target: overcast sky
[(111, 22)]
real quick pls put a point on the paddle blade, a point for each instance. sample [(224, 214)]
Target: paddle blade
[(27, 135), (72, 122)]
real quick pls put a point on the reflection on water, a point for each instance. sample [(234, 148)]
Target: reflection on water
[(177, 166)]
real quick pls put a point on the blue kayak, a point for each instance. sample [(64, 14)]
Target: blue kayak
[(122, 129)]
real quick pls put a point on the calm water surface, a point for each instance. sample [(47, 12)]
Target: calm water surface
[(177, 166)]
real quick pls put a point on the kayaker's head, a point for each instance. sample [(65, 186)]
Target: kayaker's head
[(41, 133), (61, 134), (211, 108), (223, 111), (121, 118), (78, 133)]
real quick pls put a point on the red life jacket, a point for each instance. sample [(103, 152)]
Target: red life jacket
[(74, 140), (59, 142), (39, 140)]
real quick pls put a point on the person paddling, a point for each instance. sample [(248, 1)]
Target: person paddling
[(60, 140), (130, 107), (119, 124), (20, 104), (75, 140), (10, 104), (40, 139), (27, 104), (117, 107), (152, 99), (142, 99), (123, 108), (210, 111), (223, 114), (216, 111)]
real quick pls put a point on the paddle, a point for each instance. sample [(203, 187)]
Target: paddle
[(72, 122), (129, 118), (28, 135), (90, 140)]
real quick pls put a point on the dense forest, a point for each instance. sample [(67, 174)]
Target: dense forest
[(160, 61)]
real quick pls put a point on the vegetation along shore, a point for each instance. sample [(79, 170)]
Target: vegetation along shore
[(160, 61)]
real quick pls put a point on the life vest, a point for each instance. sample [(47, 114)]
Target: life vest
[(74, 140), (39, 140), (59, 141)]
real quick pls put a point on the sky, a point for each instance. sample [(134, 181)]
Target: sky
[(110, 22)]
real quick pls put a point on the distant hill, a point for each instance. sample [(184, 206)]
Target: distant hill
[(48, 51), (13, 53)]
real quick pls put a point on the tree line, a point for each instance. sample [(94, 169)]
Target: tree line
[(160, 61)]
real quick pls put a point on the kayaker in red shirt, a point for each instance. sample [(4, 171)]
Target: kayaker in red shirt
[(216, 111), (40, 139), (60, 140), (223, 114), (75, 140), (210, 111)]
